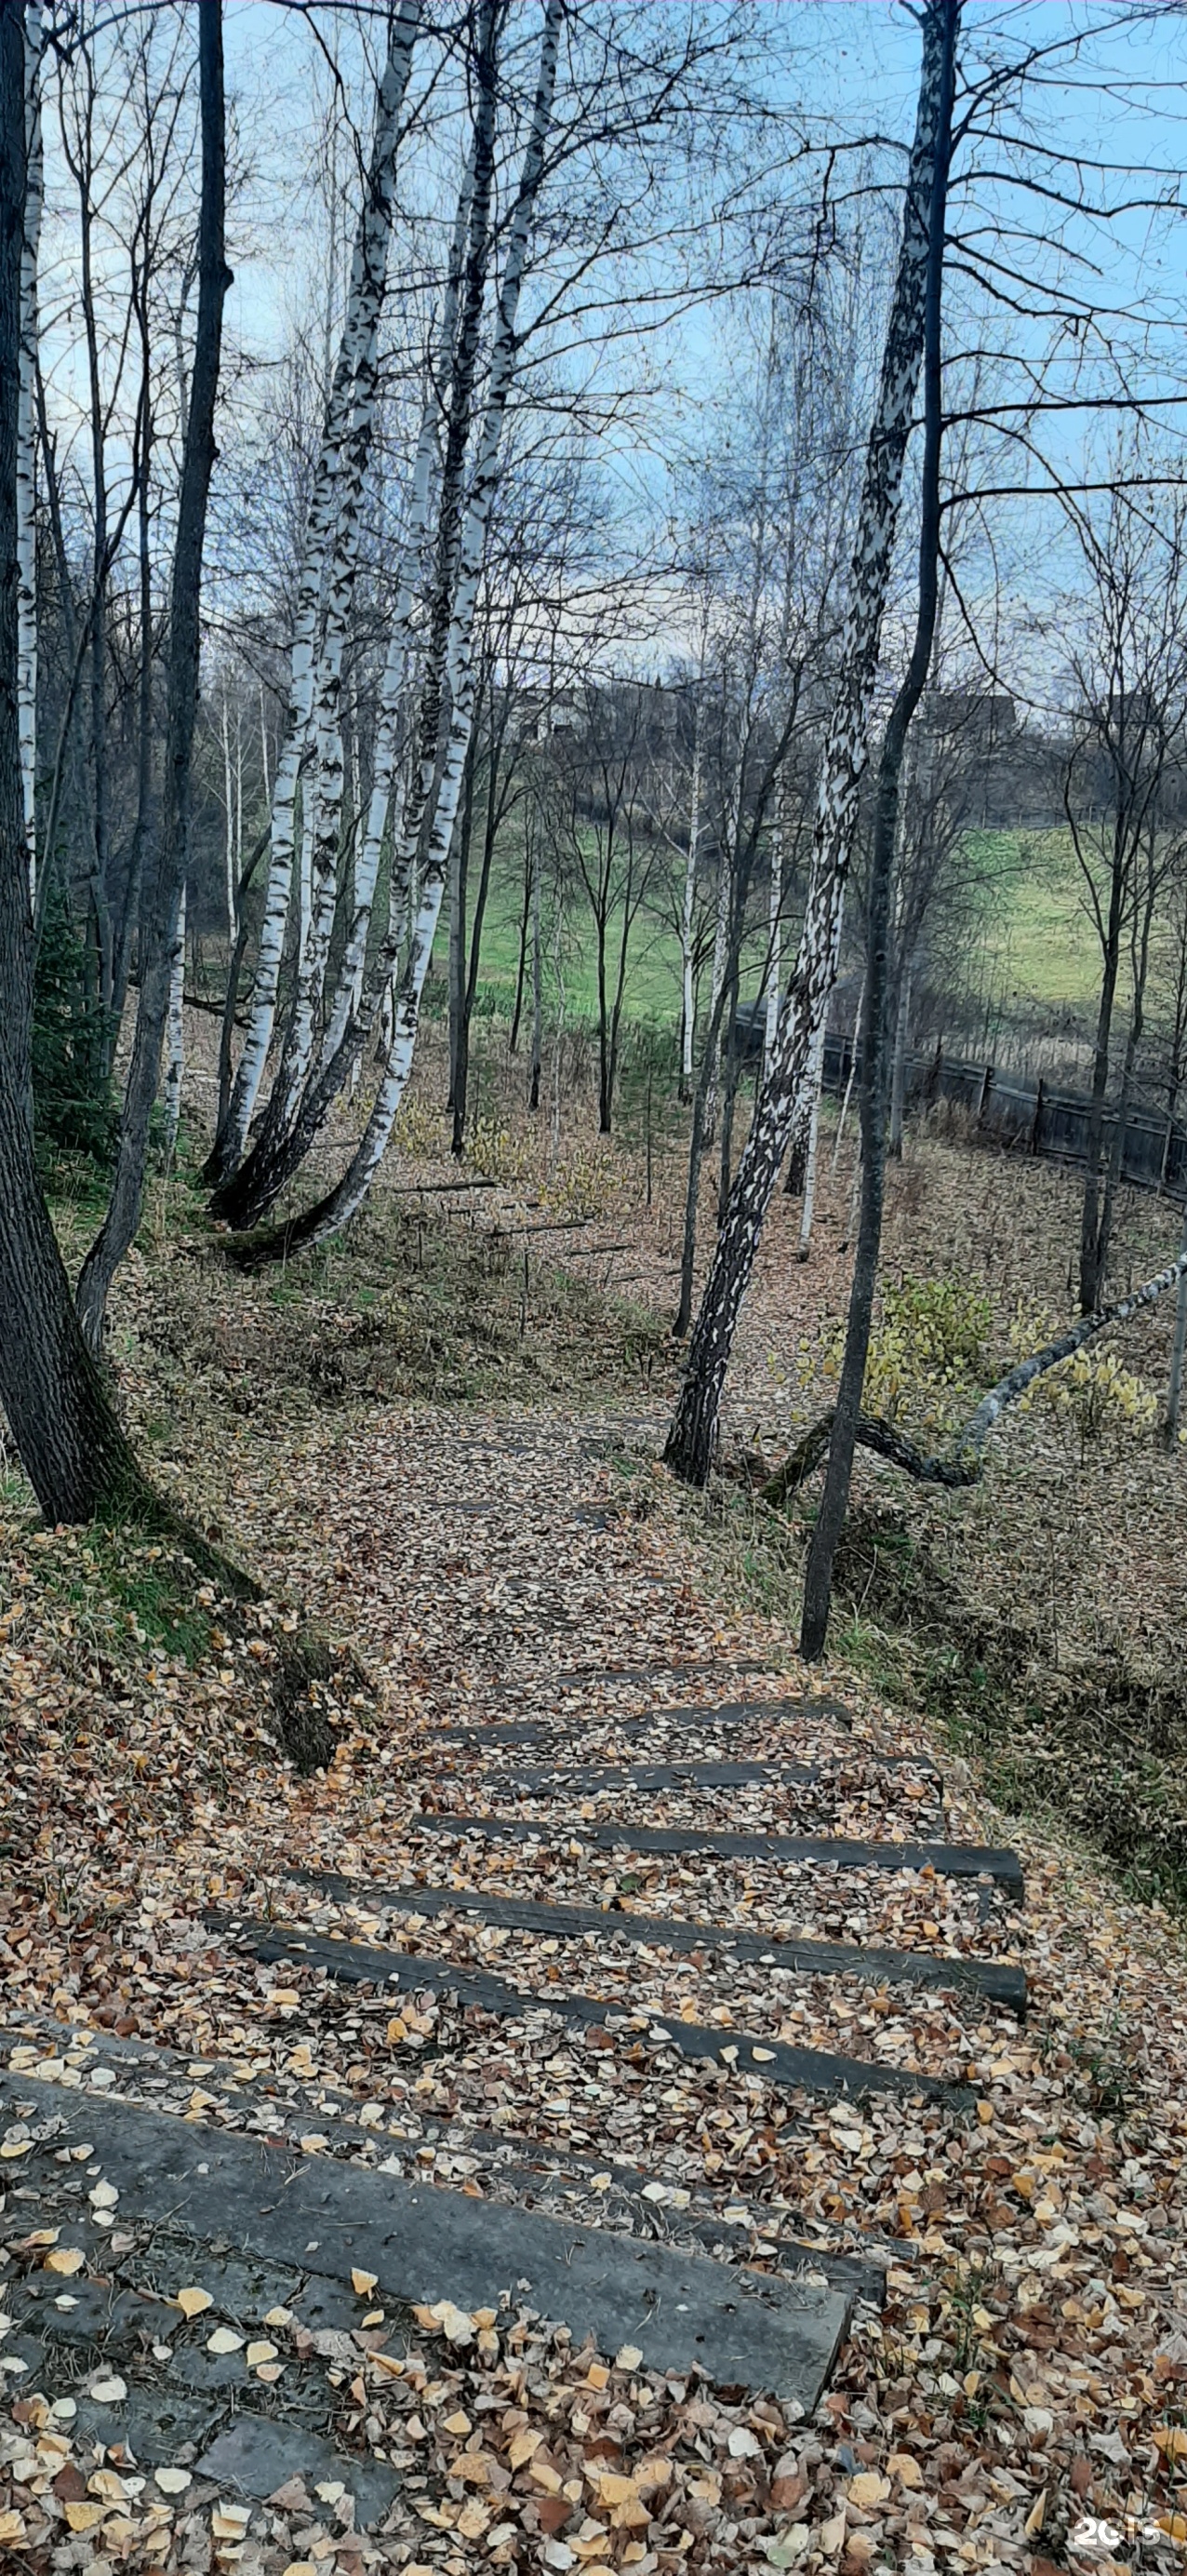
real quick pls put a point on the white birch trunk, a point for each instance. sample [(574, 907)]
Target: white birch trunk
[(345, 1201), (397, 673), (716, 980), (688, 1032), (368, 280), (175, 1035), (852, 1075), (692, 1439), (774, 936), (305, 864), (229, 796), (809, 1206), (26, 517)]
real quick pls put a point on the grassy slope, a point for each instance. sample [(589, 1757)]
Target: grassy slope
[(1039, 951)]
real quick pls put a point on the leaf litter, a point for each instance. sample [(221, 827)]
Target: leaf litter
[(1019, 2399)]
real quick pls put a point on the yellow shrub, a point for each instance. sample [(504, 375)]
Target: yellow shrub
[(1088, 1394)]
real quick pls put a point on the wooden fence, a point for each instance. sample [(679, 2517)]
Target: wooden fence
[(1029, 1117)]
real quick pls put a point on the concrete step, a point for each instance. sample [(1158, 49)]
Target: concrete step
[(424, 2243)]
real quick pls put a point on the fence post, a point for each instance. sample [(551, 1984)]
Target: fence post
[(986, 1087), (1036, 1124)]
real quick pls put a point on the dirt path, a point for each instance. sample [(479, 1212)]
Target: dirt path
[(972, 2338)]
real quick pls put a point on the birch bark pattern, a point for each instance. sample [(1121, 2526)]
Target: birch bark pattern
[(808, 1210), (693, 1436), (830, 1520), (26, 516), (168, 875), (246, 1196), (397, 667), (368, 279), (344, 1202), (688, 995), (175, 1036)]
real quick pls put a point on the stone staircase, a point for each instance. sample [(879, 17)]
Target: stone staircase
[(646, 1916)]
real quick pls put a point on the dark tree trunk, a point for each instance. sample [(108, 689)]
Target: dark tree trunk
[(834, 1503), (692, 1440), (603, 1030), (698, 1143), (71, 1445), (168, 872), (524, 925), (729, 1098), (1091, 1249), (234, 971), (461, 1079)]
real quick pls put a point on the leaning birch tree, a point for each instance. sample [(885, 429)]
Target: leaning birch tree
[(875, 1034), (165, 889), (331, 536), (441, 795), (692, 1439)]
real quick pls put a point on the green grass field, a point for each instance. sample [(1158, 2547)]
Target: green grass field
[(1037, 946), (1040, 946)]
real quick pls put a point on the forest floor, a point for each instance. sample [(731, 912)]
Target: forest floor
[(438, 1445)]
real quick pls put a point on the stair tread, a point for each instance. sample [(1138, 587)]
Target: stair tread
[(425, 2243), (998, 1980), (779, 2061), (948, 1860)]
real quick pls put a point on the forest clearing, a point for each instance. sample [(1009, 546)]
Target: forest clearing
[(593, 1288)]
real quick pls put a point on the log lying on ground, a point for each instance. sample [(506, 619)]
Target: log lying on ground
[(965, 1463)]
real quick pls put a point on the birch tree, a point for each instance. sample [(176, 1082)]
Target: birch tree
[(329, 555), (165, 892), (74, 1451), (692, 1438), (440, 799), (874, 1088), (248, 1194)]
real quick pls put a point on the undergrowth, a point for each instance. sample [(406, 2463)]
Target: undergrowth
[(1096, 1743)]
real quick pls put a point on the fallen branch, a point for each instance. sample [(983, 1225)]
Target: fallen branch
[(966, 1462)]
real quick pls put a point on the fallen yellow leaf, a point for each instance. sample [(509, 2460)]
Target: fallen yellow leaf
[(83, 2517), (65, 2259), (363, 2283), (614, 2489), (868, 2488), (193, 2303), (224, 2340)]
